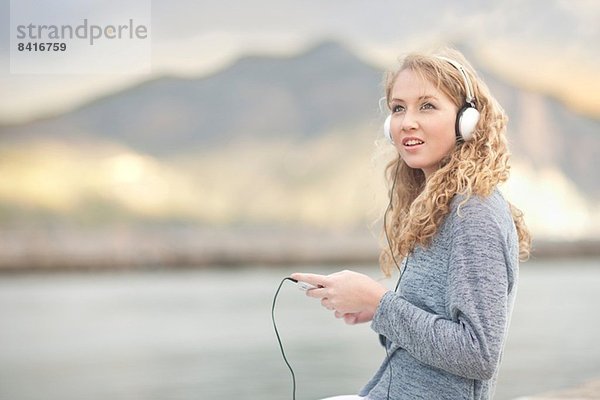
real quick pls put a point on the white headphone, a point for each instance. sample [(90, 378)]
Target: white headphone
[(467, 116)]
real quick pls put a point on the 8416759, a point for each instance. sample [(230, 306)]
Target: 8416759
[(42, 46)]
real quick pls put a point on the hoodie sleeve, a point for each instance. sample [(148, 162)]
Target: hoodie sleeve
[(469, 339)]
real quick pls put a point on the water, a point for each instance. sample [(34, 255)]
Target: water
[(208, 334)]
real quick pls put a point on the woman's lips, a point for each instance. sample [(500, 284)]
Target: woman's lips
[(412, 142)]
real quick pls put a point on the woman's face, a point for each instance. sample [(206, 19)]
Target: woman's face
[(422, 122)]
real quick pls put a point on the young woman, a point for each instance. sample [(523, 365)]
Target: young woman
[(459, 240)]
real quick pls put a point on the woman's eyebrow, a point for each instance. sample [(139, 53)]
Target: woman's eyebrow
[(421, 98)]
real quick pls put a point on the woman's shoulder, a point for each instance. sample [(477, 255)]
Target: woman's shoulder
[(493, 207)]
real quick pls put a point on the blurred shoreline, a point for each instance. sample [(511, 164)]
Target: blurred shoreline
[(192, 247), (587, 390)]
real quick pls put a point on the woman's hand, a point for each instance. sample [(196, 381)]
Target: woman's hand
[(347, 293), (355, 318)]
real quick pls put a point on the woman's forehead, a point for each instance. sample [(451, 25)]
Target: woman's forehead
[(410, 85)]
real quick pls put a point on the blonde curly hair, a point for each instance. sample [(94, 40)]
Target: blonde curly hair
[(475, 167)]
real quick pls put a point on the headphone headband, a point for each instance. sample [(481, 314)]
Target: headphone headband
[(469, 98)]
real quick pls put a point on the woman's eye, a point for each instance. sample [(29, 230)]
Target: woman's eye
[(397, 108), (427, 106)]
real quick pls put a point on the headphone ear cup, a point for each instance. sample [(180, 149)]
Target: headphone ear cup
[(387, 131), (466, 121)]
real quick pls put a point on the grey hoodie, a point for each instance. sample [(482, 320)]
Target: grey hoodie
[(447, 323)]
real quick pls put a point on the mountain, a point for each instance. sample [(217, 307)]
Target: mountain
[(267, 139), (326, 87), (544, 132), (257, 98)]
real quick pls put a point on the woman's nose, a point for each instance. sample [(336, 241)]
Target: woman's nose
[(409, 122)]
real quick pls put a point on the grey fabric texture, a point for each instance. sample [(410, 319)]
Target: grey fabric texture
[(447, 323)]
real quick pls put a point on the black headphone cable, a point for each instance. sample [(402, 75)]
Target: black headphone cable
[(383, 339), (279, 338)]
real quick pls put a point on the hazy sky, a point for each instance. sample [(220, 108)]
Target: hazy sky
[(195, 37)]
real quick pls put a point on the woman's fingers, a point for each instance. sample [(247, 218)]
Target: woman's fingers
[(313, 279), (338, 292), (326, 303), (317, 293), (349, 318), (363, 316)]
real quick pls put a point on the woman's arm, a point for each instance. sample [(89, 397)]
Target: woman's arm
[(470, 341)]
